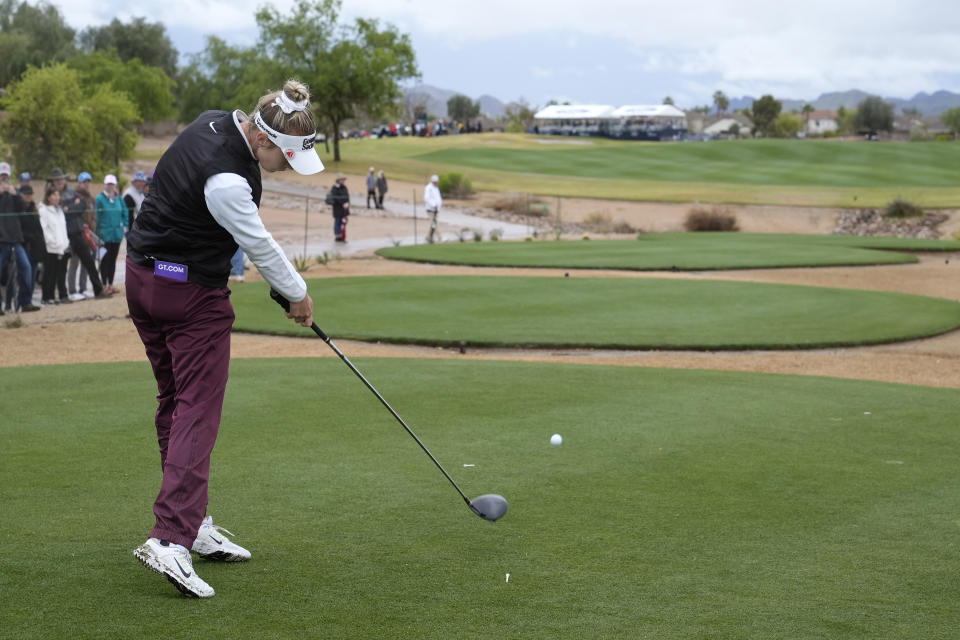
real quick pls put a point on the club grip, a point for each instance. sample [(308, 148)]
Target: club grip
[(280, 300)]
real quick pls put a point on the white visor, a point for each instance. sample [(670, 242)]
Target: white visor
[(298, 150)]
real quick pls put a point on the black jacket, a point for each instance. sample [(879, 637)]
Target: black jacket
[(33, 234), (11, 206), (339, 195)]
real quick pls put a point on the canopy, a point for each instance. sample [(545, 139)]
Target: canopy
[(648, 111), (574, 111)]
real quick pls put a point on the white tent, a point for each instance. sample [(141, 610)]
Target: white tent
[(648, 111), (574, 112)]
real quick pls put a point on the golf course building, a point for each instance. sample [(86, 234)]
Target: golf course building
[(632, 122)]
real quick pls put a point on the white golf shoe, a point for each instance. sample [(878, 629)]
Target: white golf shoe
[(173, 561), (213, 545)]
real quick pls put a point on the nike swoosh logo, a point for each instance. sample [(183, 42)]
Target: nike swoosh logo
[(214, 539), (186, 574)]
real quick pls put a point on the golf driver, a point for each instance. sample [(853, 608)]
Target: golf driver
[(489, 506)]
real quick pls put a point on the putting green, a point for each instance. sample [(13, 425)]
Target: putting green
[(624, 313), (682, 504), (678, 251)]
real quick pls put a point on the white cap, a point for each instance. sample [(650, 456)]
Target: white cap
[(110, 179), (4, 169), (298, 150), (434, 178)]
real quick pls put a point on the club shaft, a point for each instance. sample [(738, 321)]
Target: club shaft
[(396, 415)]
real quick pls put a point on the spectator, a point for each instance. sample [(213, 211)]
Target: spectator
[(236, 266), (32, 233), (78, 206), (24, 182), (433, 201), (371, 187), (381, 188), (112, 218), (339, 197), (134, 194), (54, 224), (11, 243)]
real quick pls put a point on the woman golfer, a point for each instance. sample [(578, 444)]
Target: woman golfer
[(203, 203)]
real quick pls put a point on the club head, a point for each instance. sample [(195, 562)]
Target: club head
[(489, 506)]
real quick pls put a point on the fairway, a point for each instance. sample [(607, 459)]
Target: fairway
[(678, 251), (681, 504), (622, 313), (747, 162), (797, 172)]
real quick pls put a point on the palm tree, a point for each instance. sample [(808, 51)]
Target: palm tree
[(721, 101)]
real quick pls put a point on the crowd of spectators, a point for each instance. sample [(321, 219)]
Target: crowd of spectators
[(57, 240)]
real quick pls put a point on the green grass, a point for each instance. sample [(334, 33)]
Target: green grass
[(678, 251), (786, 172), (630, 313), (682, 504)]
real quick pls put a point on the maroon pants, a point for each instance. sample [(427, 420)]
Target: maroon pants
[(185, 329)]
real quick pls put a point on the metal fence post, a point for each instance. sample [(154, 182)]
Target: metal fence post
[(306, 218)]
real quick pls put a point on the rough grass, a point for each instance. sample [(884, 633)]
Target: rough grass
[(682, 504), (628, 313)]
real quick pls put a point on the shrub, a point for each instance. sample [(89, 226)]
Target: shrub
[(521, 204), (900, 208), (454, 185), (713, 219), (603, 223), (302, 263), (624, 227), (496, 234)]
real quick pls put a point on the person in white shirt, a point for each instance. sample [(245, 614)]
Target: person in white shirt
[(54, 225), (433, 201), (134, 194)]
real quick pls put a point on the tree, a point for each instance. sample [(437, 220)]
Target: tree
[(951, 118), (787, 126), (113, 117), (668, 100), (764, 114), (461, 108), (349, 68), (150, 89), (519, 116), (31, 35), (223, 77), (844, 120), (52, 123), (138, 39), (874, 114), (721, 101)]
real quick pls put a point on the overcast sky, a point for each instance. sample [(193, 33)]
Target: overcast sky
[(625, 51)]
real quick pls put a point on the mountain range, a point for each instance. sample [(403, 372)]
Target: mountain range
[(928, 104)]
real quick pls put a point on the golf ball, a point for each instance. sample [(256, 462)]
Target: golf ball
[(556, 439)]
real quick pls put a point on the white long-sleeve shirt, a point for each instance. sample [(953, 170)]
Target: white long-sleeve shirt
[(230, 201), (432, 198)]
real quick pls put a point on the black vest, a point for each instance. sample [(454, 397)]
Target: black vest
[(174, 223)]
